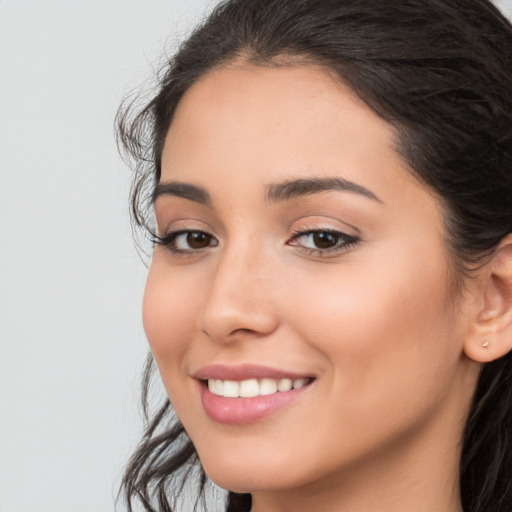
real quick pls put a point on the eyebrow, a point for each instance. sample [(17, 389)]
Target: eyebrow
[(275, 192), (184, 190), (303, 187)]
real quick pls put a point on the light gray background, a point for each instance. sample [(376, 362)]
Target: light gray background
[(71, 341)]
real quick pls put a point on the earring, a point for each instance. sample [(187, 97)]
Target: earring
[(485, 344)]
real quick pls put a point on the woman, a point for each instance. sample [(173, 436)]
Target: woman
[(329, 302)]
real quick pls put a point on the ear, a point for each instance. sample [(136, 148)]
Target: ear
[(491, 334)]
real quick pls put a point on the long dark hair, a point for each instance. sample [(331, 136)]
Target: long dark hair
[(440, 72)]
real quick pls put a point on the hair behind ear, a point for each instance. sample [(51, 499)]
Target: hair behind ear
[(486, 464)]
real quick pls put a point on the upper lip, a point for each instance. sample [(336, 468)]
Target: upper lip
[(245, 372)]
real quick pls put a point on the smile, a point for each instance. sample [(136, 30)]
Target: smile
[(239, 395), (253, 387)]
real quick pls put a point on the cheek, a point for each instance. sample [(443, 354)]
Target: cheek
[(169, 317), (387, 330)]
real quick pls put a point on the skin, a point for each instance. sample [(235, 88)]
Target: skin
[(378, 322)]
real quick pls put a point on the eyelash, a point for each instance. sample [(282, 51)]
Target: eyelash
[(343, 241), (169, 239)]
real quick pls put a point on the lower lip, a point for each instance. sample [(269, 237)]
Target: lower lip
[(241, 411)]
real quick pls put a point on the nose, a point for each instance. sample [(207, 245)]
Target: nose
[(240, 303)]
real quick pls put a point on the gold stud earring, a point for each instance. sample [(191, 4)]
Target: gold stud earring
[(485, 344)]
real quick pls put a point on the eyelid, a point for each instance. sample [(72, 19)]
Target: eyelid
[(170, 237), (347, 241), (316, 223), (166, 224)]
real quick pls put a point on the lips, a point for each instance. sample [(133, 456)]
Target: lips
[(239, 395), (243, 372)]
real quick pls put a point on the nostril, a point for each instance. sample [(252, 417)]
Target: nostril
[(244, 331), (233, 312)]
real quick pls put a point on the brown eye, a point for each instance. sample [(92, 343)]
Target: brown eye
[(198, 240), (323, 242), (325, 239), (186, 241)]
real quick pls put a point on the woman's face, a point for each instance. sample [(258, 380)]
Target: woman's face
[(296, 250)]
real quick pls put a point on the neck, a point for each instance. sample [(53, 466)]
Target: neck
[(417, 475), (385, 490)]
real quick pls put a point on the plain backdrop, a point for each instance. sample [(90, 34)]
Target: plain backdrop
[(71, 338)]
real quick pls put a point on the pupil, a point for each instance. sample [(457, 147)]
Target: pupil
[(198, 240), (325, 240)]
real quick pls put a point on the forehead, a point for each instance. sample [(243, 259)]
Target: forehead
[(269, 97), (258, 125)]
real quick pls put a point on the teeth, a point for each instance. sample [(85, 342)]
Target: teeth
[(299, 383), (216, 386), (268, 387), (252, 387), (231, 389), (285, 385), (249, 388)]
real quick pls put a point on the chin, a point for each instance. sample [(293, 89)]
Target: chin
[(249, 480), (251, 472)]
